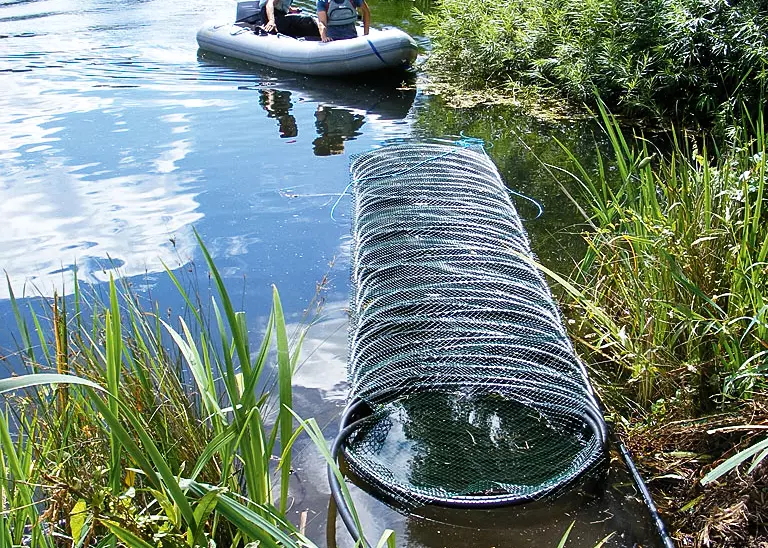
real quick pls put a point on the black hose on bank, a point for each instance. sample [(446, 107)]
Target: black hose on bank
[(647, 499)]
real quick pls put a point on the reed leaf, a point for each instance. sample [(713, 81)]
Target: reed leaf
[(733, 462)]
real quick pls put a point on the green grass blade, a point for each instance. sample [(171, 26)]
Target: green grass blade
[(316, 434), (210, 450), (183, 294), (252, 523), (38, 379), (387, 539), (162, 467), (131, 540), (41, 338), (565, 536), (125, 438), (203, 509), (261, 358), (240, 338), (189, 350), (734, 461), (20, 323), (284, 376)]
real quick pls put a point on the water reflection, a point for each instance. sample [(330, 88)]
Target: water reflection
[(278, 105), (340, 114), (82, 185), (334, 126), (323, 358), (62, 219)]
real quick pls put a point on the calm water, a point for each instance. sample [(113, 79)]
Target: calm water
[(117, 138)]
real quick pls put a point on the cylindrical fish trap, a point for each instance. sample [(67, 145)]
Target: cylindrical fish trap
[(465, 389)]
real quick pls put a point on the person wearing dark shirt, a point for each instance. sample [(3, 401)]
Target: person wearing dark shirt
[(337, 18), (277, 15)]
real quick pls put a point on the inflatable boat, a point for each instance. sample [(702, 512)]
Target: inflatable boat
[(381, 49)]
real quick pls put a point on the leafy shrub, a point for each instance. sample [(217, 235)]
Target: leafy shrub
[(644, 57)]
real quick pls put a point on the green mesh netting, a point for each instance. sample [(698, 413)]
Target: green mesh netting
[(473, 390)]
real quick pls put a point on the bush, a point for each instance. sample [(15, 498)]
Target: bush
[(659, 58)]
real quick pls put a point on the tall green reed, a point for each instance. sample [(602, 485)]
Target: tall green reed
[(139, 455), (677, 266)]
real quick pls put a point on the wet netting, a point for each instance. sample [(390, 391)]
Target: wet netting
[(465, 389)]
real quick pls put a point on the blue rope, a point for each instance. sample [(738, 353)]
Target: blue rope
[(534, 202), (467, 142), (333, 208), (376, 52)]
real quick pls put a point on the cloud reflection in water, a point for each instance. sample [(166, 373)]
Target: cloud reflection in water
[(59, 219)]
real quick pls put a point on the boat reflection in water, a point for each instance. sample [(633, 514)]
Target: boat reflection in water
[(334, 126), (344, 106)]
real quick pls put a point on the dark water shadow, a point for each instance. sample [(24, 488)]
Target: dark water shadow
[(372, 82)]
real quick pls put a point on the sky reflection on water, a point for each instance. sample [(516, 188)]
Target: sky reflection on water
[(118, 137)]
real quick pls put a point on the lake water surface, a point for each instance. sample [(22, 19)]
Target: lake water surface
[(118, 138)]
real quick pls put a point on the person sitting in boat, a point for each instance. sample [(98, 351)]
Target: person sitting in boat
[(337, 18), (278, 16)]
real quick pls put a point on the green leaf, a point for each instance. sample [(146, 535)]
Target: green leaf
[(287, 449), (284, 375), (211, 449), (734, 461), (253, 524), (37, 379), (188, 349), (77, 518), (317, 436), (203, 509), (567, 533), (240, 338), (164, 470), (165, 503), (21, 324), (605, 539), (127, 537), (387, 539)]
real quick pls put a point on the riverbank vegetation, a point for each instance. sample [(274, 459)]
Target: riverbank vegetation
[(670, 306), (125, 426), (689, 60)]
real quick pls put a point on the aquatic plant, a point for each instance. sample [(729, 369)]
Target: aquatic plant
[(672, 58), (141, 431), (669, 307), (676, 264)]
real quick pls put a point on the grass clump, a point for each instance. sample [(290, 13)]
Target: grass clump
[(686, 59), (677, 262), (135, 431), (670, 303)]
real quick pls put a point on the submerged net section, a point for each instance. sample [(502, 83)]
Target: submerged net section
[(465, 389)]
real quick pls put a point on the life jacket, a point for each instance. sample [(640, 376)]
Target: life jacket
[(341, 12)]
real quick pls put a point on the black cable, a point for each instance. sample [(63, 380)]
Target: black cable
[(341, 504), (640, 484), (637, 479)]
